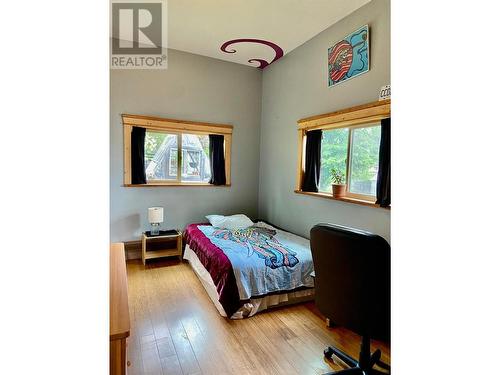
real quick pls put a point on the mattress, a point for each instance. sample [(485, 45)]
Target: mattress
[(245, 272)]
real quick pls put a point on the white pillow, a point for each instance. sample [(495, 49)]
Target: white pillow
[(264, 225), (215, 220), (233, 222)]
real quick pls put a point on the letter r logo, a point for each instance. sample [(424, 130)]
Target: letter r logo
[(136, 28)]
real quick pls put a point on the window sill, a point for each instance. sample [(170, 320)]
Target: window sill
[(170, 184), (343, 199)]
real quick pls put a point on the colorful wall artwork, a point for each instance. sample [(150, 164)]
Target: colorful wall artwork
[(349, 57)]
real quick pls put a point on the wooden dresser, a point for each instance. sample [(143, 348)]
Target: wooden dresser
[(119, 319)]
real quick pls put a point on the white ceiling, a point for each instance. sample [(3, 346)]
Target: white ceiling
[(202, 26)]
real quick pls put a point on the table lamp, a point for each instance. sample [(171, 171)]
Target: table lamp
[(155, 217)]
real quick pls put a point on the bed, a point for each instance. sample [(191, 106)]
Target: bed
[(247, 271)]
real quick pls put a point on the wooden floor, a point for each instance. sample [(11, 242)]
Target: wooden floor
[(177, 330)]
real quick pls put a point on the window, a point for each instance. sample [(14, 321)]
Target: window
[(195, 161), (175, 152), (161, 157), (333, 155), (350, 145), (363, 161), (173, 164), (353, 152)]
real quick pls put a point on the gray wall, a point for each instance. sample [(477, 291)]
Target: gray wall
[(296, 87), (200, 88), (192, 88)]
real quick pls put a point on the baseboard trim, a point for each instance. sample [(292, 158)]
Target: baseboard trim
[(133, 250)]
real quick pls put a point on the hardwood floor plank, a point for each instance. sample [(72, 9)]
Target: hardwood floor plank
[(310, 346), (171, 366), (165, 347), (150, 358), (176, 329), (207, 354), (291, 347)]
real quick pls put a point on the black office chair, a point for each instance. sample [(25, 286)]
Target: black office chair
[(352, 289)]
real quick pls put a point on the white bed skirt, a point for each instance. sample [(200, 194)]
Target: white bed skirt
[(255, 304)]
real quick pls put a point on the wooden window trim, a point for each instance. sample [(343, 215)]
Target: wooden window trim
[(342, 199), (353, 117), (362, 114), (174, 183), (176, 127)]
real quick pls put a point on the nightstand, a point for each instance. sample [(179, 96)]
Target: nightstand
[(168, 243)]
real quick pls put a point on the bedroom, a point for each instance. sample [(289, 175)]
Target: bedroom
[(207, 92), (221, 202)]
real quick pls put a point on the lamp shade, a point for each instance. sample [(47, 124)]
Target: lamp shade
[(155, 214)]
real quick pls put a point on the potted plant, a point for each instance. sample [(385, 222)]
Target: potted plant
[(338, 182)]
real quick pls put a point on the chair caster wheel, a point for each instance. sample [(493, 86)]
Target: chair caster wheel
[(328, 352)]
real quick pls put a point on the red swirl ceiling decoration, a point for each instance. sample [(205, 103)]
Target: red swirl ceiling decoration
[(278, 52)]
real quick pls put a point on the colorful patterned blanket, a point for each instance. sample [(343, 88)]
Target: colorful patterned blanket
[(251, 263)]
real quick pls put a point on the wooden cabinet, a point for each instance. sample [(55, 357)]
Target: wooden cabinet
[(119, 318)]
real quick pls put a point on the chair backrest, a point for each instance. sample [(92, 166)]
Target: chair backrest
[(353, 282)]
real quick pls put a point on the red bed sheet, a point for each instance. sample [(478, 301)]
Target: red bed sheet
[(218, 265)]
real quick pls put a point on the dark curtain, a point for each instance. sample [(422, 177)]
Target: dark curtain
[(384, 165), (217, 162), (137, 155), (313, 161)]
